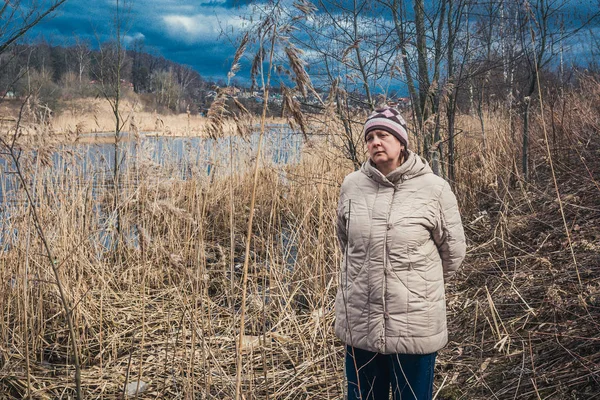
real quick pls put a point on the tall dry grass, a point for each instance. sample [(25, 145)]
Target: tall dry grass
[(524, 309), (94, 115), (166, 312), (164, 316)]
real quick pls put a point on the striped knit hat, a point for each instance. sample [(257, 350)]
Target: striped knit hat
[(389, 120)]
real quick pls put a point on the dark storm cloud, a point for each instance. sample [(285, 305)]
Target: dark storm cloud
[(199, 33), (576, 12), (214, 63), (75, 18)]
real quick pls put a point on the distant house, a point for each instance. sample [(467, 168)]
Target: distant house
[(404, 102), (401, 102), (126, 84)]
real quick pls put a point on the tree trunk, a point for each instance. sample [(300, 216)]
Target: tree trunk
[(421, 42), (451, 106), (525, 155), (526, 109), (400, 31), (437, 157)]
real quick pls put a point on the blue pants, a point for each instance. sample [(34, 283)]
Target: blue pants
[(371, 375)]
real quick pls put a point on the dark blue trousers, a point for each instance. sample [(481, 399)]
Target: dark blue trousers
[(371, 375)]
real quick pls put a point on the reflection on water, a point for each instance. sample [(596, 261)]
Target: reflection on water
[(184, 157), (88, 168)]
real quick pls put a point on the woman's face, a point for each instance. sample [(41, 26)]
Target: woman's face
[(384, 148)]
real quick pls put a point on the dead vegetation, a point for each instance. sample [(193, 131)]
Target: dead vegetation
[(161, 313), (85, 117), (524, 311)]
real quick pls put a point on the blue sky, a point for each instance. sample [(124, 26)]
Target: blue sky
[(198, 33)]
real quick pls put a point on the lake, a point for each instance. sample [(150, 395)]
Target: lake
[(184, 157)]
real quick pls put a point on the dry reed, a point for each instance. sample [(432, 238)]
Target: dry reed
[(94, 116), (167, 312)]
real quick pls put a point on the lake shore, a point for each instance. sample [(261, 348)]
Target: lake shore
[(82, 118)]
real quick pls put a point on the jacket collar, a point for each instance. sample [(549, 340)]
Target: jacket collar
[(412, 167)]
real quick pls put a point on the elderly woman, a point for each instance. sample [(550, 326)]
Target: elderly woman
[(401, 235)]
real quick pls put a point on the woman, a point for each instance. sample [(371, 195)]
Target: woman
[(401, 234)]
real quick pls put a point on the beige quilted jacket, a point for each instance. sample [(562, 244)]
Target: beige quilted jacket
[(401, 237)]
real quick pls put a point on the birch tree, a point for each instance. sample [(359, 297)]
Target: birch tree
[(82, 52)]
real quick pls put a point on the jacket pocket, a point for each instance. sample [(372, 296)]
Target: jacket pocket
[(427, 263), (357, 227)]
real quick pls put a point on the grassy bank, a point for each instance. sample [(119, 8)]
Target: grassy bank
[(92, 115)]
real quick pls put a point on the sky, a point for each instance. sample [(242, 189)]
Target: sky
[(198, 33)]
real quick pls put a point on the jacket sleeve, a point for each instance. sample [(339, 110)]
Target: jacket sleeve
[(449, 235), (342, 235)]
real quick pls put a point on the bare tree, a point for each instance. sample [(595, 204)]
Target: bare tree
[(514, 42), (17, 17), (113, 60), (400, 20), (166, 88), (540, 36), (353, 54), (457, 58), (82, 53), (423, 70)]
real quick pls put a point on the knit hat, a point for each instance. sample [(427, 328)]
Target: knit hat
[(389, 120)]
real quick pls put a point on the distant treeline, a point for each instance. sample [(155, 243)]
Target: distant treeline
[(55, 73)]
